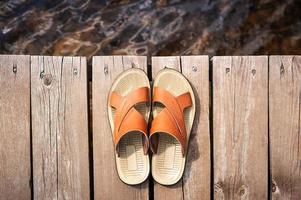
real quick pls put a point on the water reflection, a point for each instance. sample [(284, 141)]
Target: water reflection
[(146, 27)]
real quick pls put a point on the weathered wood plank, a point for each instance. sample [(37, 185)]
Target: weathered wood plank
[(59, 127), (197, 176), (240, 127), (285, 136), (196, 179), (175, 191), (107, 185), (161, 62), (15, 127)]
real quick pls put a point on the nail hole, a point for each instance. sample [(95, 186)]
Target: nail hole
[(253, 71), (75, 72), (227, 70), (194, 68), (106, 70), (42, 74), (14, 69)]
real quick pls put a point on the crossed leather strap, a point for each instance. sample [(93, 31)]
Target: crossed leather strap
[(127, 118), (170, 120)]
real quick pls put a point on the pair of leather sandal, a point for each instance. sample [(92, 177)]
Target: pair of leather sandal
[(130, 107)]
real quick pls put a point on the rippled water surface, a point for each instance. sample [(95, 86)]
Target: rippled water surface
[(164, 27)]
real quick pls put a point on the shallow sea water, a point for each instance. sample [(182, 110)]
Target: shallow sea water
[(146, 27)]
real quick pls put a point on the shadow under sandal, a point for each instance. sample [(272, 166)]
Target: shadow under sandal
[(128, 111), (173, 113)]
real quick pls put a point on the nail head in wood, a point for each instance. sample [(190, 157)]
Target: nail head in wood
[(106, 70), (75, 71), (42, 74), (227, 70), (15, 69), (194, 68)]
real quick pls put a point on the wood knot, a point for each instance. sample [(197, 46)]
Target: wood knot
[(47, 79), (218, 190), (218, 187), (242, 190), (253, 72)]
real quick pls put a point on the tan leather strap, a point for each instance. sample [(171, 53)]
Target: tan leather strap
[(127, 118), (171, 119)]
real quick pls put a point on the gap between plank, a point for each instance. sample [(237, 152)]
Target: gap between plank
[(90, 131)]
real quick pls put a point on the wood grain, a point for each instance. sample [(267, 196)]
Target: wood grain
[(162, 62), (196, 179), (107, 185), (197, 176), (59, 127), (285, 136), (15, 127), (240, 127)]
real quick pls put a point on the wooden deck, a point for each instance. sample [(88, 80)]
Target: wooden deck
[(56, 144)]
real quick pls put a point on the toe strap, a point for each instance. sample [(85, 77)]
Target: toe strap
[(171, 119), (164, 124), (133, 121), (127, 119)]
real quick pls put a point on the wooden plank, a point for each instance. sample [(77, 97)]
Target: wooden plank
[(240, 127), (196, 179), (107, 185), (59, 127), (15, 127), (175, 191), (197, 176), (285, 136), (161, 62)]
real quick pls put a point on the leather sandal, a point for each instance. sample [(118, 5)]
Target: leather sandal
[(128, 111), (173, 116)]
